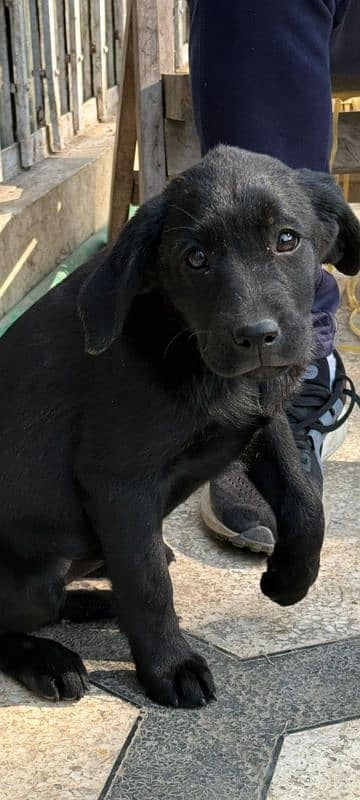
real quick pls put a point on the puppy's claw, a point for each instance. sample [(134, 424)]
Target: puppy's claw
[(189, 684)]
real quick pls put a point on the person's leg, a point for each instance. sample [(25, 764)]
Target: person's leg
[(260, 75)]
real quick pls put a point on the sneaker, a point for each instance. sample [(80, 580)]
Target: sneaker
[(232, 508)]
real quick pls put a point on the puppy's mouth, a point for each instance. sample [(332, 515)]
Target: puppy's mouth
[(262, 372), (254, 371)]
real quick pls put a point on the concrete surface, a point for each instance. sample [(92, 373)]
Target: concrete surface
[(319, 764), (286, 721)]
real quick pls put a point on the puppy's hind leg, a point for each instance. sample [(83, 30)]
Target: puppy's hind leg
[(88, 605), (29, 600)]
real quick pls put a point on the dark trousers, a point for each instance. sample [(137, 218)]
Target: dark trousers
[(260, 75)]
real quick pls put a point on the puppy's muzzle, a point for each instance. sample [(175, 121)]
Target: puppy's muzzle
[(257, 337)]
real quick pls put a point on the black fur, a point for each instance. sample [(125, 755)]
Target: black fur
[(96, 449)]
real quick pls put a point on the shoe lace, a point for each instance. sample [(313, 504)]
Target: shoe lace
[(316, 397)]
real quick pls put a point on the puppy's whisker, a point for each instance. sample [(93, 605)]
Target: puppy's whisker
[(184, 211), (196, 333), (180, 228), (179, 333)]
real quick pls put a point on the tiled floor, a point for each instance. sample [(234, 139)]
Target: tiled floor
[(321, 763), (286, 723)]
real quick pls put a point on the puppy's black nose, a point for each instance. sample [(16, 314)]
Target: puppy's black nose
[(257, 334)]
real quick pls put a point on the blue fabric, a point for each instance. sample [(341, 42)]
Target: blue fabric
[(260, 75)]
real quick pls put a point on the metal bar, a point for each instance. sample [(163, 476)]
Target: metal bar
[(52, 85), (72, 15), (99, 53), (21, 82)]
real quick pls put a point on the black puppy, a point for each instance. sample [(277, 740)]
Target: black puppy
[(197, 327)]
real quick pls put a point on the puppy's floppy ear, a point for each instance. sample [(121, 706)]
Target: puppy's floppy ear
[(339, 233), (106, 296)]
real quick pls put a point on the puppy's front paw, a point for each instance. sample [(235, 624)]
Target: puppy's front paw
[(187, 684), (286, 584)]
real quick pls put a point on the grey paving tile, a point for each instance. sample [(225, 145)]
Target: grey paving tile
[(225, 750)]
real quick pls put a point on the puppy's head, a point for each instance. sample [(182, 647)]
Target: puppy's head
[(235, 243)]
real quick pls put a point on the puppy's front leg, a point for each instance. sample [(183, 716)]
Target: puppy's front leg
[(294, 565), (127, 518)]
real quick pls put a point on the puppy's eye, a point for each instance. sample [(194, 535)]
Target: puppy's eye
[(197, 259), (287, 240)]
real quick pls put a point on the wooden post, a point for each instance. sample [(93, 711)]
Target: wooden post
[(99, 53), (72, 13), (21, 82), (141, 105), (52, 86), (149, 104), (125, 139)]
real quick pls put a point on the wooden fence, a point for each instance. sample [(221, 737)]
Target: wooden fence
[(59, 68)]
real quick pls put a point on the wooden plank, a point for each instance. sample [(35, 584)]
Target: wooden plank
[(119, 10), (165, 33), (11, 163), (180, 25), (149, 103), (181, 141), (52, 86), (61, 50), (110, 43), (125, 138), (86, 48), (6, 118), (99, 54), (89, 113), (182, 146), (177, 97), (112, 100), (37, 62), (31, 67), (347, 158), (21, 82), (72, 17)]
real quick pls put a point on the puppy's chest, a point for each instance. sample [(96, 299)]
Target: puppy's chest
[(219, 435)]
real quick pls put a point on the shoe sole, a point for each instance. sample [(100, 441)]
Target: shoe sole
[(335, 439), (245, 539), (248, 539)]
